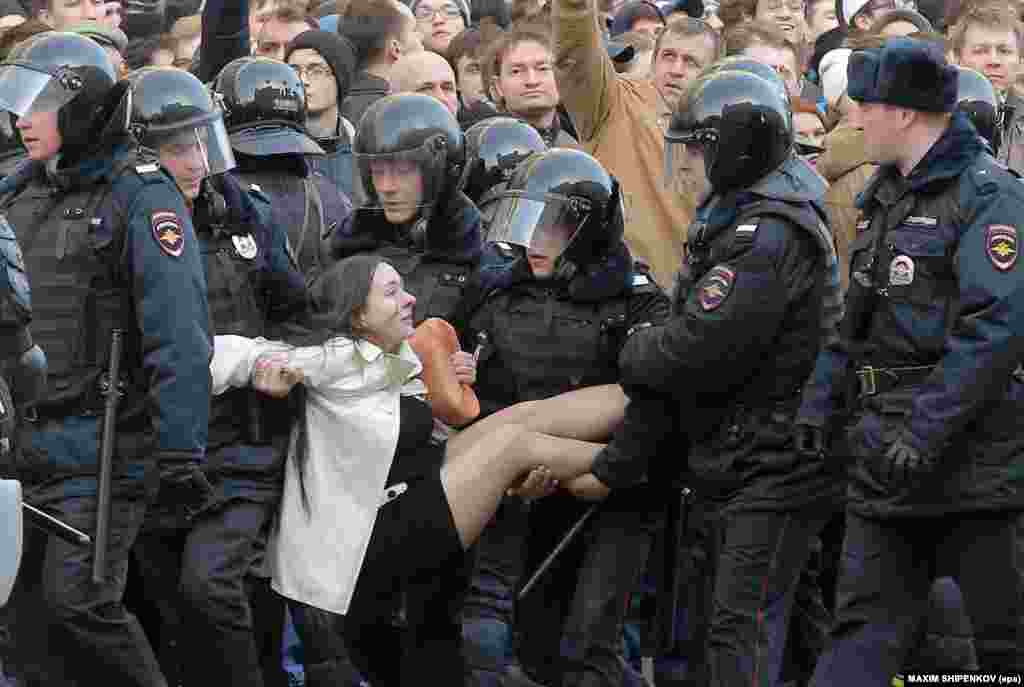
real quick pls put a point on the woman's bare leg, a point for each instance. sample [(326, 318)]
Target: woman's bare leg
[(475, 478), (589, 414)]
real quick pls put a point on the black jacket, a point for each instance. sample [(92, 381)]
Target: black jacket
[(742, 340)]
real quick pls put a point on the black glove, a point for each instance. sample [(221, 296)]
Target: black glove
[(810, 441), (902, 462), (184, 483)]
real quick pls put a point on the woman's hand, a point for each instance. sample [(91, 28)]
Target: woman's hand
[(273, 377), (588, 488), (538, 483), (465, 367)]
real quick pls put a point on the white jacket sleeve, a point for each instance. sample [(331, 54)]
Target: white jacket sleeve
[(234, 358)]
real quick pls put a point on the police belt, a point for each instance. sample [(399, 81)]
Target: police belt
[(878, 380)]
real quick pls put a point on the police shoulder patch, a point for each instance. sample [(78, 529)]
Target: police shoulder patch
[(1001, 246), (168, 232), (715, 287), (245, 246)]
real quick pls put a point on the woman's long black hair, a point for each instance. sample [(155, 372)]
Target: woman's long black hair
[(337, 298)]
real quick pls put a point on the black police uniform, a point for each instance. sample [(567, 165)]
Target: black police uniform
[(265, 116), (544, 338), (932, 341), (210, 556), (107, 244), (741, 342), (303, 201), (932, 330)]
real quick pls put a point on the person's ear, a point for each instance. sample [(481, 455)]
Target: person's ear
[(496, 89), (394, 50)]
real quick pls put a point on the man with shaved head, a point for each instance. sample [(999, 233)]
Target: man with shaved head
[(427, 73)]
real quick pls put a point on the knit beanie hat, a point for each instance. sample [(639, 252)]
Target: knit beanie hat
[(337, 52)]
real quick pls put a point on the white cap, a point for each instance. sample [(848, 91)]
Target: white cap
[(852, 7), (832, 72)]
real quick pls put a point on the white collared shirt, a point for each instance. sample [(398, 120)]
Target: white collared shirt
[(353, 413)]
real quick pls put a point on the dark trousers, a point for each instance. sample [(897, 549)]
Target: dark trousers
[(755, 560), (488, 613), (66, 629), (569, 626), (326, 662), (202, 578), (888, 569)]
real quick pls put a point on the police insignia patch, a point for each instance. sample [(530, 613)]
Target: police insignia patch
[(716, 287), (1001, 246), (245, 246), (901, 271), (168, 232)]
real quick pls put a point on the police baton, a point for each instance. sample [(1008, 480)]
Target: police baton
[(107, 440), (566, 540), (676, 521), (51, 525)]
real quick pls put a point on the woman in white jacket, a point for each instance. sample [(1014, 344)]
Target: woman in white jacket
[(371, 503)]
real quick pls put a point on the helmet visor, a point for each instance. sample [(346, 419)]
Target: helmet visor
[(402, 182), (207, 141), (25, 89), (543, 224)]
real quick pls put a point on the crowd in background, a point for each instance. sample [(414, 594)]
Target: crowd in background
[(606, 80)]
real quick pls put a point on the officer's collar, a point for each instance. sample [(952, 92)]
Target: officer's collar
[(88, 171), (957, 148)]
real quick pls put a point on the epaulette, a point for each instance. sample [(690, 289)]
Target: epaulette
[(148, 168)]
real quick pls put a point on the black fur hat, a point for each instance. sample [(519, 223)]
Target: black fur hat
[(904, 72)]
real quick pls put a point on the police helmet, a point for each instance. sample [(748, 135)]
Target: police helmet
[(60, 72), (742, 63), (264, 107), (167, 105), (742, 123), (977, 99), (409, 129), (566, 191), (494, 147)]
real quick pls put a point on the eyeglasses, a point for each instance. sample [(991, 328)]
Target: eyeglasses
[(447, 10), (317, 70)]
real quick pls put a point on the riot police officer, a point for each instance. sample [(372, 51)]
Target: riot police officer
[(494, 147), (747, 320), (409, 152), (250, 283), (553, 321), (109, 246), (932, 334), (976, 98), (265, 113)]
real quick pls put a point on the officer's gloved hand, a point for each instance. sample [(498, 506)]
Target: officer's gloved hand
[(810, 441), (185, 484), (902, 462)]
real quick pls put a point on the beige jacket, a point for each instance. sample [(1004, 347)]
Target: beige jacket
[(847, 170), (617, 120)]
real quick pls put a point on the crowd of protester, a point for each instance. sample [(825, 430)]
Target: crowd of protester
[(306, 578)]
